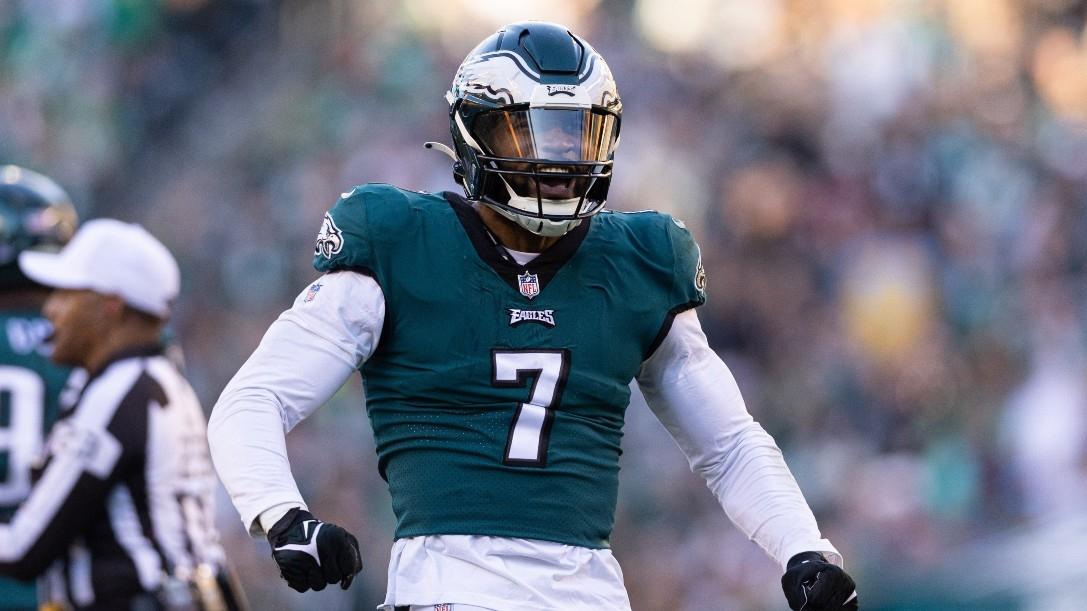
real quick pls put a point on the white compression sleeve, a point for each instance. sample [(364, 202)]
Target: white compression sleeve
[(304, 358), (694, 395)]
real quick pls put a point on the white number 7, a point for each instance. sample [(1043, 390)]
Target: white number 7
[(531, 426)]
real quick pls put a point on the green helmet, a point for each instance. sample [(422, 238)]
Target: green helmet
[(534, 114), (35, 214)]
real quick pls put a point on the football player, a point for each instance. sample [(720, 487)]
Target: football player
[(496, 333), (35, 214)]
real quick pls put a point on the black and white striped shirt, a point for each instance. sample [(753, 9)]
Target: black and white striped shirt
[(122, 504)]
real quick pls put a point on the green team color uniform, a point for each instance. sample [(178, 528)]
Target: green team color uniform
[(497, 392), (30, 387)]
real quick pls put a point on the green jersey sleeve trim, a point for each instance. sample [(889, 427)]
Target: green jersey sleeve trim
[(667, 326)]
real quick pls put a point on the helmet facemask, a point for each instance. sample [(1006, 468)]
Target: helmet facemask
[(547, 164)]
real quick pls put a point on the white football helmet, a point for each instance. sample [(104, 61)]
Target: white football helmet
[(534, 114)]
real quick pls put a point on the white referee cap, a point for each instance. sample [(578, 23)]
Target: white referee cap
[(114, 258)]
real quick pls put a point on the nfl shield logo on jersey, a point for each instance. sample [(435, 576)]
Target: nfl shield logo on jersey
[(529, 283)]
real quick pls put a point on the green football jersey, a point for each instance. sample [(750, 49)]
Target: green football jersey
[(30, 387), (497, 392)]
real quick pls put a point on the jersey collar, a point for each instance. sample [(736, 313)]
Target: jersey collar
[(136, 351), (494, 255)]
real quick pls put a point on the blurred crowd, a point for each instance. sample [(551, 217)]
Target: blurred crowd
[(889, 196)]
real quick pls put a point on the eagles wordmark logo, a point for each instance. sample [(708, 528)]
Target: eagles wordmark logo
[(329, 239), (544, 317), (561, 90)]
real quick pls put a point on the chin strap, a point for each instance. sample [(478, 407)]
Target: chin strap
[(541, 227)]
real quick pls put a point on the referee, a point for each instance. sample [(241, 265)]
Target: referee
[(120, 513)]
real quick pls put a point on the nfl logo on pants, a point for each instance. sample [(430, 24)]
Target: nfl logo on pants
[(529, 284)]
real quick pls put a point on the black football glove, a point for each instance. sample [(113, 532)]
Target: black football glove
[(311, 553), (813, 584)]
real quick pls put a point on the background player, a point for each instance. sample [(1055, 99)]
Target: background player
[(35, 214), (496, 336)]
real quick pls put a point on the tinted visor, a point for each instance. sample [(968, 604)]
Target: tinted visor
[(564, 150), (553, 134)]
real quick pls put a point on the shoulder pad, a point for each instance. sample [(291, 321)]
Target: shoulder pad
[(363, 218), (690, 275)]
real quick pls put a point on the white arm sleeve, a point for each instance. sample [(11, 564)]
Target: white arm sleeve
[(304, 358), (693, 394)]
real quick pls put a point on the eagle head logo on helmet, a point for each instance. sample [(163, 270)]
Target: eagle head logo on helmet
[(534, 114)]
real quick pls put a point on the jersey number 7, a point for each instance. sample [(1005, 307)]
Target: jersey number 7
[(531, 426)]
